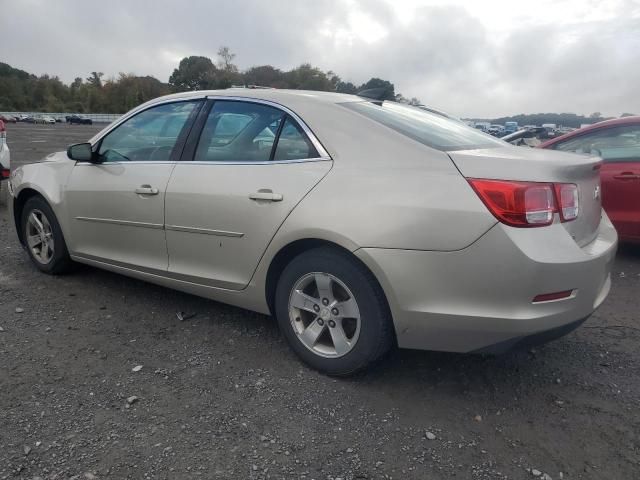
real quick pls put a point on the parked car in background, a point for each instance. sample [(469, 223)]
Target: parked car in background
[(49, 120), (8, 118), (22, 117), (79, 119), (531, 136), (265, 198), (5, 154), (551, 129), (496, 130), (510, 127), (29, 119), (617, 142)]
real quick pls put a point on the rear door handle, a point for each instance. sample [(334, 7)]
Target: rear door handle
[(626, 176), (146, 190), (269, 196)]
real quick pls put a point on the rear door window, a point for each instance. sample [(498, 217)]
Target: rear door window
[(237, 131)]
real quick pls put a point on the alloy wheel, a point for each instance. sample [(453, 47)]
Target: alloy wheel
[(40, 237), (324, 314)]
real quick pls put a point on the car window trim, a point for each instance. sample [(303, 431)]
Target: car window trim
[(196, 131), (276, 138)]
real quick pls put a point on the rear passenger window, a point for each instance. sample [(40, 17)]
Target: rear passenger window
[(293, 144), (239, 132)]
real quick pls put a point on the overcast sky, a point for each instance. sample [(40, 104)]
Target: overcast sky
[(471, 58)]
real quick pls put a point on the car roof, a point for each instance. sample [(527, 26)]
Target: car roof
[(271, 94), (615, 122)]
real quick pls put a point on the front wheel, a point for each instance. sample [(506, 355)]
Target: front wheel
[(43, 237), (332, 312)]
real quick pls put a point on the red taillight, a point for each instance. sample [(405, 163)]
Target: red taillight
[(527, 204), (567, 196), (5, 173), (519, 204)]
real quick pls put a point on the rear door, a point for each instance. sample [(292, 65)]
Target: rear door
[(252, 163), (619, 147)]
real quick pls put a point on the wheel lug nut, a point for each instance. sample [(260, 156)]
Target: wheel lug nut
[(332, 323), (325, 301), (334, 311), (316, 308), (320, 322)]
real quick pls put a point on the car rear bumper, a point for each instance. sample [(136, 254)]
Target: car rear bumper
[(481, 298)]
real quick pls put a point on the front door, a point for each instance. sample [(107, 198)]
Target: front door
[(252, 165), (116, 206)]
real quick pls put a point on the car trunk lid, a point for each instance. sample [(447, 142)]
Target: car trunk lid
[(535, 165)]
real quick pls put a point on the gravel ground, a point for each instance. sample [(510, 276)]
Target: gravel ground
[(221, 396)]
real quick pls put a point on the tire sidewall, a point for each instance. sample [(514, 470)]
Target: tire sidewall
[(374, 322), (60, 256)]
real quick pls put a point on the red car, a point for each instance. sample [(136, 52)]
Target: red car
[(618, 143)]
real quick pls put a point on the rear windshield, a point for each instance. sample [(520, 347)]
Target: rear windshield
[(431, 129)]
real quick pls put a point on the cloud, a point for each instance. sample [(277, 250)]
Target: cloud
[(470, 59)]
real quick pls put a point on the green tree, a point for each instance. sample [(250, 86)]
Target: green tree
[(306, 77), (265, 76), (346, 87), (193, 73), (388, 88), (95, 79)]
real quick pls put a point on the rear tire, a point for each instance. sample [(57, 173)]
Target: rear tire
[(43, 238), (333, 312)]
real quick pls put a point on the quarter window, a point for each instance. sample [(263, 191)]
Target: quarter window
[(293, 144), (150, 135), (616, 144)]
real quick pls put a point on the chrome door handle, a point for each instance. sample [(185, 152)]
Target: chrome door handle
[(266, 195), (146, 190)]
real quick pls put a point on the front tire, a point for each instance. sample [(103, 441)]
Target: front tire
[(43, 238), (332, 312)]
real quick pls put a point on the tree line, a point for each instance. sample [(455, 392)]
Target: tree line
[(565, 119), (22, 91)]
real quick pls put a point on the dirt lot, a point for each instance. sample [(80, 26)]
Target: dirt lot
[(221, 396)]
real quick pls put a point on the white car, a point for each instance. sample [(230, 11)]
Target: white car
[(5, 158), (49, 120)]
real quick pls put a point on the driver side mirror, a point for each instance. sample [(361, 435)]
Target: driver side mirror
[(81, 152)]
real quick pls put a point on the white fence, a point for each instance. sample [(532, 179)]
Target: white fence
[(96, 117)]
